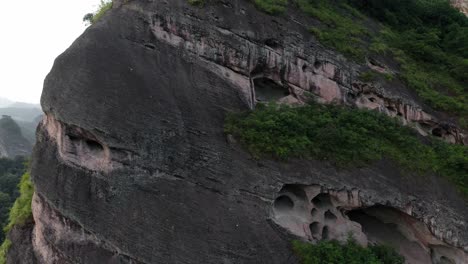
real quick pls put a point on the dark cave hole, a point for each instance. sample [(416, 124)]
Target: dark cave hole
[(94, 145), (325, 233), (329, 216), (314, 228), (437, 132), (266, 90), (283, 203), (272, 43), (322, 200), (296, 190), (313, 212), (317, 64)]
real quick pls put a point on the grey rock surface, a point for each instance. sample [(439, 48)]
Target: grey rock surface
[(132, 165)]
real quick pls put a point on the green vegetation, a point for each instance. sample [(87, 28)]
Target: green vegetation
[(341, 26), (4, 250), (20, 213), (345, 136), (331, 252), (103, 7), (426, 37), (271, 6), (10, 175)]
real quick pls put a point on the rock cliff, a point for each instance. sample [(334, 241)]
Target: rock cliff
[(462, 5), (138, 170)]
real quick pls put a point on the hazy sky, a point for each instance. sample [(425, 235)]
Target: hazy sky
[(33, 33)]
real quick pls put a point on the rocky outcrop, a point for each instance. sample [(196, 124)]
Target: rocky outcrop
[(12, 142), (462, 5), (138, 170), (315, 213)]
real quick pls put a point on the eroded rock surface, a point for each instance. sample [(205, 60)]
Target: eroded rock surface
[(316, 213), (131, 163)]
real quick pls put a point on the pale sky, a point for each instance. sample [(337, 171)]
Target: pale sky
[(32, 34)]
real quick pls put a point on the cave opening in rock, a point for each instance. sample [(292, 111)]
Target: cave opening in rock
[(322, 200), (329, 216), (94, 145), (389, 226), (283, 203), (314, 229), (325, 233), (267, 90)]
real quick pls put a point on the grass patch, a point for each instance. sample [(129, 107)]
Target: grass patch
[(103, 7), (345, 137), (341, 27), (273, 7), (332, 252)]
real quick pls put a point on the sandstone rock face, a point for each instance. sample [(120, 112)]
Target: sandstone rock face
[(462, 5), (131, 164)]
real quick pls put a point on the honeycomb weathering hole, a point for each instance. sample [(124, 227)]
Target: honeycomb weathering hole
[(329, 216), (314, 228), (94, 145), (314, 212), (325, 233), (322, 200), (283, 203)]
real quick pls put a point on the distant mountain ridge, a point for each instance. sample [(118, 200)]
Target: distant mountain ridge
[(26, 115), (12, 141)]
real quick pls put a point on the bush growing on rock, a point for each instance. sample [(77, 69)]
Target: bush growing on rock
[(345, 136), (103, 7), (332, 252)]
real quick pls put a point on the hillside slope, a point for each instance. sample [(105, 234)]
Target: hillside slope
[(12, 141)]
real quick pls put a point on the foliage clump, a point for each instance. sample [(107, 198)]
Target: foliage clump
[(272, 6), (103, 7), (332, 252), (341, 26), (10, 175), (345, 136), (20, 213), (4, 250)]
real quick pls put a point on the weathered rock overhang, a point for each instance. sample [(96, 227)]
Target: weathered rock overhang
[(316, 213), (293, 60)]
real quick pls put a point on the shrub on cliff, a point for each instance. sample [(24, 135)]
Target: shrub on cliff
[(10, 175), (21, 210), (20, 213), (103, 7), (345, 137), (332, 252), (4, 250)]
